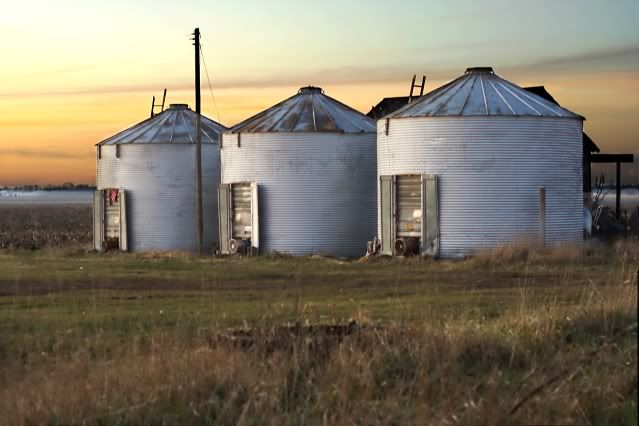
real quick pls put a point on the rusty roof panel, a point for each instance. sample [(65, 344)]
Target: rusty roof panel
[(481, 92), (310, 110), (174, 125)]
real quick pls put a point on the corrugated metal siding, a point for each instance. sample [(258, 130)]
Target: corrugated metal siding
[(490, 170), (316, 191), (160, 184)]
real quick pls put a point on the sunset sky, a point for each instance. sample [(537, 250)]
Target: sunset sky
[(75, 72)]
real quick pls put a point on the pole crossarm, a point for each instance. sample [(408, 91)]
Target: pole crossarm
[(617, 159), (611, 158)]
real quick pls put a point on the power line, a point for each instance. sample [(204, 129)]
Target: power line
[(210, 86)]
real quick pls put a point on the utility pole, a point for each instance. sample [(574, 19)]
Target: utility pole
[(198, 146)]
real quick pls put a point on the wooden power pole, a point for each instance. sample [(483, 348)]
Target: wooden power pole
[(198, 146)]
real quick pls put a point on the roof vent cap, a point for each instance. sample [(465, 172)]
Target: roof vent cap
[(310, 89), (179, 106), (485, 70)]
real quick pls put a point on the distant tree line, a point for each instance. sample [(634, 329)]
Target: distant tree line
[(67, 186)]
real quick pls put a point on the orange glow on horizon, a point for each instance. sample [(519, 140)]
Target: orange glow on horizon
[(52, 141)]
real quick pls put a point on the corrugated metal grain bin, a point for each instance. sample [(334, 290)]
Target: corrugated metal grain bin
[(477, 163), (299, 178), (153, 164)]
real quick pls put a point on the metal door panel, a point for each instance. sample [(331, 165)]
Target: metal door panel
[(255, 218), (387, 207), (224, 209), (124, 237), (98, 219), (430, 230)]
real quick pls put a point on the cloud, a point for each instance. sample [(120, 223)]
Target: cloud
[(45, 153), (51, 72), (336, 75), (618, 59), (460, 47), (608, 60), (87, 90)]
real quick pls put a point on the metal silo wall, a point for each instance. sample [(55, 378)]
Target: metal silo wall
[(160, 184), (490, 170), (316, 190)]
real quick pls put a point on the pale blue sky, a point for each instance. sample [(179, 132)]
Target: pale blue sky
[(270, 40)]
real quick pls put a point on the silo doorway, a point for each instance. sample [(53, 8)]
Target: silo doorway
[(109, 220), (409, 215), (239, 218)]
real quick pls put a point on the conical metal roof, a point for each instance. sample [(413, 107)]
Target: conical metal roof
[(481, 92), (310, 110), (175, 125)]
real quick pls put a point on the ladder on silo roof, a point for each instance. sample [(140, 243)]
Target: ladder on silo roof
[(153, 104), (413, 86)]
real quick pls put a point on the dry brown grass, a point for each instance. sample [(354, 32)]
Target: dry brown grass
[(456, 371), (530, 253)]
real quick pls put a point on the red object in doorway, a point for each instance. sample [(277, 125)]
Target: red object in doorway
[(113, 196)]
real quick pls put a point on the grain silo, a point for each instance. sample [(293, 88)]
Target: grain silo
[(145, 198), (477, 163), (299, 178)]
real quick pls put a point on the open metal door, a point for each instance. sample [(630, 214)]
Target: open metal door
[(408, 206), (387, 213), (98, 220), (112, 202), (430, 216), (124, 236), (224, 216), (255, 219)]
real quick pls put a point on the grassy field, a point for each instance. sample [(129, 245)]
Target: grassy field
[(513, 336)]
